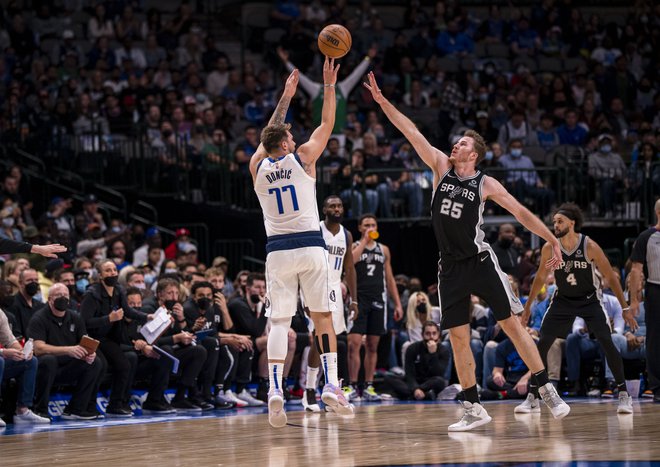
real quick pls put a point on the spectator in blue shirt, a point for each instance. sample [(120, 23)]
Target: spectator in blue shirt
[(546, 133), (522, 180), (454, 42), (524, 41), (570, 132), (510, 376)]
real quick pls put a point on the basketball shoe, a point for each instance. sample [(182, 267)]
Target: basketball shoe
[(276, 414), (333, 396), (625, 403), (557, 406), (474, 415), (530, 405)]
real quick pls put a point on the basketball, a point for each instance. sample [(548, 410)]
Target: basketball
[(335, 41)]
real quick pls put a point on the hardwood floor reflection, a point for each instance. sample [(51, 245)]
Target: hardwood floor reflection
[(376, 435)]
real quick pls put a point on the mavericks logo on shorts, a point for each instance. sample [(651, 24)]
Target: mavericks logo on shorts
[(333, 297), (267, 304)]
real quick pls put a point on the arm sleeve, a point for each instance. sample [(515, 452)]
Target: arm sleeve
[(9, 247), (347, 85)]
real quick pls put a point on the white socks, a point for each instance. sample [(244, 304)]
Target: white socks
[(329, 363), (275, 375), (312, 377)]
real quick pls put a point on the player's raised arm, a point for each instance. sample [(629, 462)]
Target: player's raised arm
[(433, 157), (312, 149), (495, 191), (278, 117)]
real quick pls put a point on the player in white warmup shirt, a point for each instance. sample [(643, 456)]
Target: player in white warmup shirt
[(285, 183), (340, 260)]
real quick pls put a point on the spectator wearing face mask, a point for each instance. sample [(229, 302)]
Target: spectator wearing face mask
[(523, 181), (507, 254), (607, 168), (153, 239), (26, 301), (103, 307), (81, 283)]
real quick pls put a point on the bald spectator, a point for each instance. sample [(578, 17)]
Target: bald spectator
[(57, 332)]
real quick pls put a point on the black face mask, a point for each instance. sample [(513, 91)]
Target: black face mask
[(167, 133), (32, 288), (505, 242), (421, 308), (61, 303), (169, 304), (110, 281), (400, 288), (254, 298), (203, 303)]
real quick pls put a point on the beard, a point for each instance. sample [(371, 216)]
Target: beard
[(335, 219), (561, 233)]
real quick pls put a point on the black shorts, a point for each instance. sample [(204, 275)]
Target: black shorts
[(478, 275), (372, 319), (562, 311)]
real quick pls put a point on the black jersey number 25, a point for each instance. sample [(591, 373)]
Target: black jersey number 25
[(451, 208)]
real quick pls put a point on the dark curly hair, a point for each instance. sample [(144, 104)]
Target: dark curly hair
[(573, 212)]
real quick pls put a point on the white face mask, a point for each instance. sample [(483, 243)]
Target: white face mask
[(8, 222)]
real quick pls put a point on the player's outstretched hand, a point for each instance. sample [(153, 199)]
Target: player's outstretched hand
[(330, 71), (372, 86), (49, 251), (556, 260), (291, 83)]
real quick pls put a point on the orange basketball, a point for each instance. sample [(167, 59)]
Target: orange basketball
[(335, 41)]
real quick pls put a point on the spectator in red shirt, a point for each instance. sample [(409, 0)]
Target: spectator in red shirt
[(182, 235)]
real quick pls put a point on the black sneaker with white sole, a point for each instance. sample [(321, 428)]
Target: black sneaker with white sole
[(118, 412), (82, 415), (157, 408)]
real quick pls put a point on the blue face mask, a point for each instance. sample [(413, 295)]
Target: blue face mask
[(606, 148), (488, 156), (516, 152), (81, 285)]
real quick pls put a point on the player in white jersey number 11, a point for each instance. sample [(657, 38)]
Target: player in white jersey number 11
[(285, 183)]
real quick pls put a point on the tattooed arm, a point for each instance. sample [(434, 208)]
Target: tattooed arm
[(278, 117)]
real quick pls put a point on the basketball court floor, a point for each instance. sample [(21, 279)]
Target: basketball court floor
[(391, 433)]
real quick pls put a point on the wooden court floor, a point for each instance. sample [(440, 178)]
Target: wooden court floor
[(400, 434)]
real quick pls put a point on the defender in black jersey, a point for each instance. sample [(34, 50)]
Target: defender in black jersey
[(467, 264), (578, 293), (374, 281)]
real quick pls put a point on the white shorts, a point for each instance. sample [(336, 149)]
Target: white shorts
[(338, 320), (304, 269)]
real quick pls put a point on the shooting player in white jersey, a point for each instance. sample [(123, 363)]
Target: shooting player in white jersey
[(285, 183)]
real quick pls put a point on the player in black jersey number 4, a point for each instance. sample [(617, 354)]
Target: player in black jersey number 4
[(467, 263), (578, 294)]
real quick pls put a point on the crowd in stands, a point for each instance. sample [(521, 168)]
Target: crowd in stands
[(531, 80)]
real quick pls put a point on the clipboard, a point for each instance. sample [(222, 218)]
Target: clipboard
[(89, 344)]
